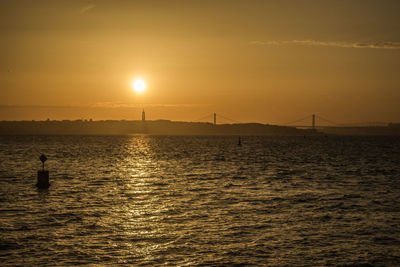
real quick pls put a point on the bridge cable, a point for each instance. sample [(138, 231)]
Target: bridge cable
[(326, 120), (226, 118), (208, 116), (302, 119)]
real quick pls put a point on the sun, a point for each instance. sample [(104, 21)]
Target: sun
[(139, 85)]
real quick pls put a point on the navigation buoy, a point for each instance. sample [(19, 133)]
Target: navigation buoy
[(43, 175)]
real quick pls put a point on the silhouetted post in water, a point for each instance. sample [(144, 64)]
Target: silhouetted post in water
[(43, 175), (215, 118), (313, 121), (239, 142)]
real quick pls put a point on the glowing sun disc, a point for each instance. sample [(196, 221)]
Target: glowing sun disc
[(139, 85)]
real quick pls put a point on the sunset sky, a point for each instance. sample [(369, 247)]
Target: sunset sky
[(252, 61)]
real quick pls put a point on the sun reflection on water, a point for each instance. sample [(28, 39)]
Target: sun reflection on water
[(141, 212)]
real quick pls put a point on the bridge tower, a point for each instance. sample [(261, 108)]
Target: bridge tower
[(313, 121), (143, 115), (215, 118)]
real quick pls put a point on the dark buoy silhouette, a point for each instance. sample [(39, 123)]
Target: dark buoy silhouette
[(239, 142), (43, 175)]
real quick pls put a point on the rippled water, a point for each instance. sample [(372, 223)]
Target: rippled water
[(185, 200)]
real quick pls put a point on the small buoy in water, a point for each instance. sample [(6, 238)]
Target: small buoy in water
[(43, 158), (43, 175), (239, 142)]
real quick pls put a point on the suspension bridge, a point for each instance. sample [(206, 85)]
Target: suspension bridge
[(304, 122), (212, 117), (311, 121)]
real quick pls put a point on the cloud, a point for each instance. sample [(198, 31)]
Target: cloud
[(37, 106), (371, 45), (86, 8), (106, 105), (129, 105)]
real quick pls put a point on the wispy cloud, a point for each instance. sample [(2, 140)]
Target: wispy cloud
[(129, 105), (371, 45), (107, 105), (86, 8)]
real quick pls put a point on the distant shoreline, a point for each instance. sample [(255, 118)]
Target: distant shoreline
[(166, 127), (157, 127)]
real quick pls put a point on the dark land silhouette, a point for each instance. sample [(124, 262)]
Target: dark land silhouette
[(166, 127), (161, 127), (392, 129)]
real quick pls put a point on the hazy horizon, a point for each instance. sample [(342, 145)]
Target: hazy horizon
[(154, 113)]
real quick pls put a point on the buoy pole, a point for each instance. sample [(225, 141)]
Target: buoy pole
[(43, 175)]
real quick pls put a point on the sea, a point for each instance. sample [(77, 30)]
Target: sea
[(143, 200)]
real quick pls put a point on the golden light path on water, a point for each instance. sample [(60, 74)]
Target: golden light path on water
[(143, 213), (158, 214)]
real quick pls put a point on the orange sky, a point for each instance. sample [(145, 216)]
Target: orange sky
[(252, 61)]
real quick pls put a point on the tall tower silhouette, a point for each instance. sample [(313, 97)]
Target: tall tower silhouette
[(215, 118), (143, 115)]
